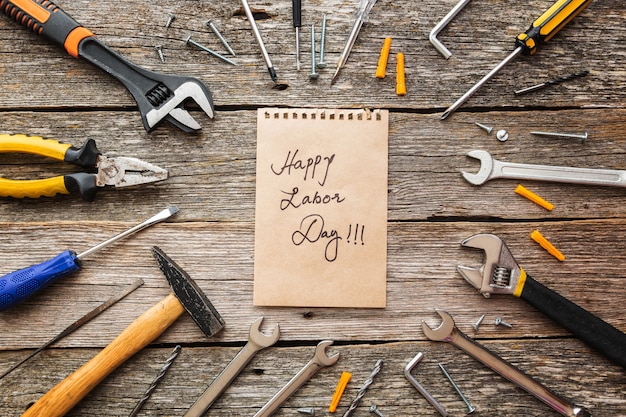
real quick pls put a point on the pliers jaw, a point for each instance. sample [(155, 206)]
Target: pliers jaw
[(126, 172), (499, 273)]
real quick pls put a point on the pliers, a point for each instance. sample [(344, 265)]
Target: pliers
[(118, 172), (500, 274)]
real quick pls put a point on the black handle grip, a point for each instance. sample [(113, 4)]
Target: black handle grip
[(592, 330), (297, 13)]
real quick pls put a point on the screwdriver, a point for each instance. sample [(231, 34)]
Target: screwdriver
[(17, 286), (297, 23), (540, 31)]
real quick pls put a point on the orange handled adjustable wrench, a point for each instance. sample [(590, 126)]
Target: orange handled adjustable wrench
[(158, 96)]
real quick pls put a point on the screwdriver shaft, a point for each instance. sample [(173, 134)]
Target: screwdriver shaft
[(152, 220), (480, 83), (259, 39)]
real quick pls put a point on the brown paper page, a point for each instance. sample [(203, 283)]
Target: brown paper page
[(321, 208)]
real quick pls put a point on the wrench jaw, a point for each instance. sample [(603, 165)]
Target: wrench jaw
[(445, 331), (321, 357), (260, 339), (499, 274), (485, 170)]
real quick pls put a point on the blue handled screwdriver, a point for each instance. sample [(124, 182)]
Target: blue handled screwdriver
[(17, 286)]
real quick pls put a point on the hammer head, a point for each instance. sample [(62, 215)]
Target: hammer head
[(190, 295)]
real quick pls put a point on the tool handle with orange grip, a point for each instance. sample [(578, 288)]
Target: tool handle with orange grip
[(45, 18)]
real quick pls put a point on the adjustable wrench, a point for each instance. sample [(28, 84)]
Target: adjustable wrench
[(320, 360), (158, 96), (256, 342), (448, 332), (500, 274), (491, 168)]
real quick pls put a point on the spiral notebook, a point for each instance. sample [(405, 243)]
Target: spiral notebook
[(321, 208)]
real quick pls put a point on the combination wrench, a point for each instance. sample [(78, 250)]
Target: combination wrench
[(256, 342), (448, 332), (491, 168), (320, 360)]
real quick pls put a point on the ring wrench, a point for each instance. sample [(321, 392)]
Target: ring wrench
[(448, 332), (500, 274), (491, 168), (320, 360), (256, 342), (407, 373)]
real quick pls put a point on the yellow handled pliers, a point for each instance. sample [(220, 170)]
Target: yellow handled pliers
[(118, 172)]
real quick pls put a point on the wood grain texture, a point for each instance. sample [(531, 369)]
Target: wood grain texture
[(431, 208)]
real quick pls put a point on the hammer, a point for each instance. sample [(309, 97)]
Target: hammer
[(186, 295)]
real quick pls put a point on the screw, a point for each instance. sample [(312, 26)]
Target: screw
[(190, 41), (582, 136), (322, 64), (488, 129), (313, 75), (309, 411), (470, 407), (211, 25), (502, 135), (159, 50), (498, 321), (375, 410), (170, 20), (475, 325)]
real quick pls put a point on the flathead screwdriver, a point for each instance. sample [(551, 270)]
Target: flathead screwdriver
[(17, 286), (540, 31)]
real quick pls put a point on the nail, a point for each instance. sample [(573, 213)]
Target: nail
[(190, 41), (322, 63), (170, 20), (313, 75), (488, 129), (211, 25), (502, 135), (475, 325), (470, 407), (159, 50), (582, 136)]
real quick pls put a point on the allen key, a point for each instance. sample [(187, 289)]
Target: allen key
[(407, 373), (444, 22)]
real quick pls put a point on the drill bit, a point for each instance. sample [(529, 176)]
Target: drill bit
[(156, 381), (361, 393), (551, 82), (361, 17)]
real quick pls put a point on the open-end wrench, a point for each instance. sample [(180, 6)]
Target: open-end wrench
[(407, 373), (320, 360), (256, 342), (501, 274), (448, 332), (158, 96), (491, 168)]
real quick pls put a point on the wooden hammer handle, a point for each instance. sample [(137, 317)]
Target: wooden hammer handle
[(146, 328)]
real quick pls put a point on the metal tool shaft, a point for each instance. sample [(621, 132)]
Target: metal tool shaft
[(442, 24), (259, 39)]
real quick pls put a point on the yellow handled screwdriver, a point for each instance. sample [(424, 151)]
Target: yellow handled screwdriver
[(540, 31)]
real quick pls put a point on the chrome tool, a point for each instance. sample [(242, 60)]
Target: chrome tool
[(448, 332), (551, 82), (540, 31), (158, 96), (361, 17), (185, 295), (500, 274), (491, 168), (366, 385), (257, 341), (419, 387), (297, 24), (439, 27), (18, 286), (259, 39), (320, 360)]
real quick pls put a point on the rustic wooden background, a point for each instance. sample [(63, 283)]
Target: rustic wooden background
[(432, 209)]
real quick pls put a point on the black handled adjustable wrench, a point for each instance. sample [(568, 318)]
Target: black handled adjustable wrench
[(500, 274), (158, 96)]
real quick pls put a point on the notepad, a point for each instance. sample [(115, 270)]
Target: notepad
[(321, 208)]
